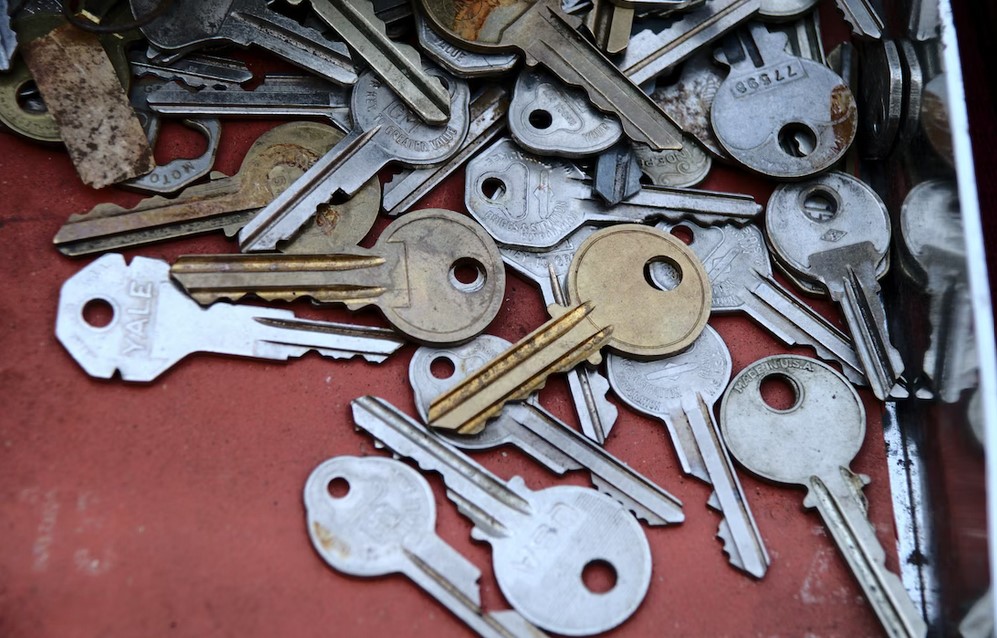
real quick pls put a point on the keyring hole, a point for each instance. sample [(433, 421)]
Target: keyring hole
[(541, 119), (493, 188), (683, 234), (98, 313), (779, 392), (29, 98), (820, 205), (663, 273), (599, 576), (467, 274), (442, 368), (797, 140), (338, 487)]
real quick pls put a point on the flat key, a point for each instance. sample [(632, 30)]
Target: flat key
[(740, 270), (153, 325), (548, 36), (680, 390), (834, 230), (191, 23), (677, 169), (617, 173), (862, 16), (461, 62), (434, 274), (385, 131), (812, 444), (613, 305), (529, 421), (195, 71), (541, 540), (531, 202), (398, 538)]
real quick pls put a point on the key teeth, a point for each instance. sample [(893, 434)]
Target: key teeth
[(632, 506)]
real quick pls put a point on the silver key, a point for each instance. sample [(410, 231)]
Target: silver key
[(529, 422), (677, 169), (804, 35), (616, 175), (384, 524), (779, 10), (195, 71), (863, 18), (548, 118), (835, 231), (740, 270), (385, 131), (533, 203), (153, 324), (461, 62), (925, 22), (881, 98), (541, 540), (689, 99), (681, 390), (8, 38), (811, 444)]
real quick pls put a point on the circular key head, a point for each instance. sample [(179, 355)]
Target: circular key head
[(541, 568), (931, 222), (658, 386), (827, 212), (476, 25), (364, 512), (22, 109), (820, 432), (455, 278), (779, 10), (610, 270), (404, 136)]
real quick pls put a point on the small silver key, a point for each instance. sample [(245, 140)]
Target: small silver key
[(195, 71), (461, 62), (533, 203), (542, 541), (863, 18), (386, 130), (811, 444), (834, 230), (153, 324), (681, 390), (529, 422), (384, 524), (677, 169)]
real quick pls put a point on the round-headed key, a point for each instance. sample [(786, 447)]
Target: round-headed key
[(811, 444)]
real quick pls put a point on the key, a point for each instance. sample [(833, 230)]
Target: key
[(542, 541), (680, 390), (740, 270), (812, 444), (548, 118), (616, 176), (461, 62), (675, 169), (187, 24), (195, 71), (861, 15), (488, 117), (153, 325), (434, 274), (8, 38), (384, 524), (548, 36), (609, 25), (530, 422), (613, 305), (925, 22), (803, 116), (549, 271), (778, 10), (277, 95), (804, 35), (932, 234), (533, 203), (880, 98), (385, 131), (272, 163), (834, 230), (688, 100)]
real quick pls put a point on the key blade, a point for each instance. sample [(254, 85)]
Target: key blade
[(195, 71), (286, 338), (862, 17), (596, 413)]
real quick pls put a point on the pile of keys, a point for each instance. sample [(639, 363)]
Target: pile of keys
[(580, 128)]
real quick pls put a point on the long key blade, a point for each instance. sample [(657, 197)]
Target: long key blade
[(862, 17), (651, 202)]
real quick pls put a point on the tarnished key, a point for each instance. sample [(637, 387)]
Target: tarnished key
[(863, 18), (610, 21), (688, 99), (548, 36), (740, 270), (190, 23), (542, 541), (434, 274), (461, 62), (616, 175), (384, 524), (529, 422), (195, 71), (549, 271), (385, 131), (811, 444), (834, 230), (681, 390), (548, 118), (532, 202), (678, 169), (613, 304), (153, 325)]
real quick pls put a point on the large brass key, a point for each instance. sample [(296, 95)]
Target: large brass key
[(615, 304)]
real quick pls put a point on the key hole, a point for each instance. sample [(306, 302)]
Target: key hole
[(442, 368), (541, 119), (467, 275), (98, 313), (683, 234), (338, 487), (663, 273), (797, 140), (820, 204), (599, 576), (493, 189), (29, 98), (779, 392)]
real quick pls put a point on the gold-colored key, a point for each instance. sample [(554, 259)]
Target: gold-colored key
[(615, 305)]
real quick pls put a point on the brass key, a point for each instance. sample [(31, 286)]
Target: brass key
[(548, 36), (434, 274), (615, 305)]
